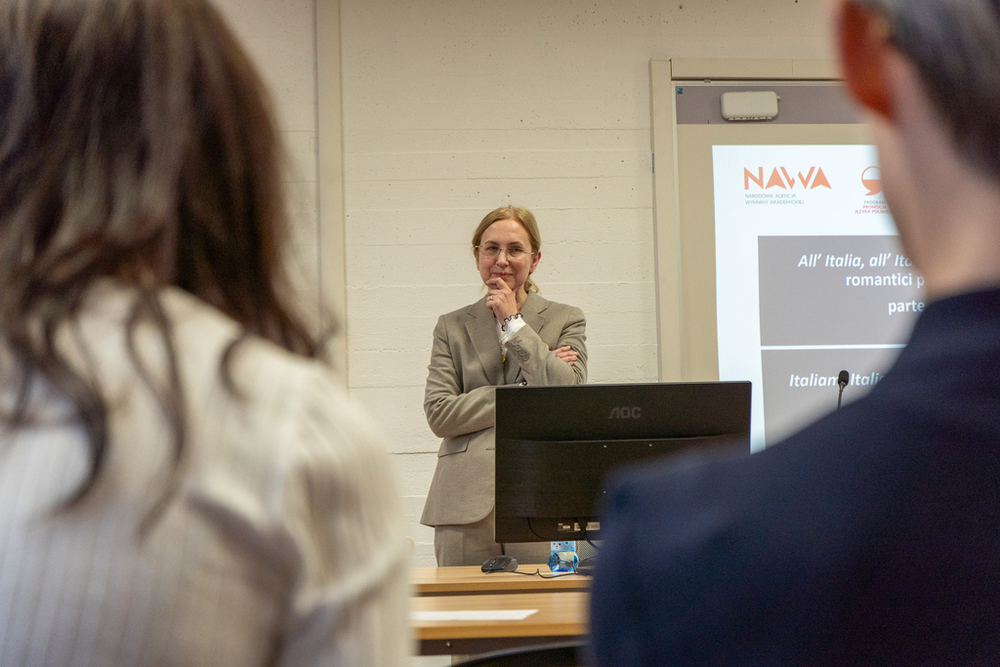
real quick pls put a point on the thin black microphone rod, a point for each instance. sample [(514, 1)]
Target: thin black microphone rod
[(842, 381)]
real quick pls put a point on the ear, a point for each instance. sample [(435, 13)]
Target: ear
[(534, 262), (862, 45)]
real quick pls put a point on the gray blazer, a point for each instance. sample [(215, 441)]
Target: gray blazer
[(459, 398)]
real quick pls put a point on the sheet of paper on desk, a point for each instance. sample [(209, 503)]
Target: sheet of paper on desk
[(486, 615)]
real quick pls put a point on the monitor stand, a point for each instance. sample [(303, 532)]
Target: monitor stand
[(587, 566)]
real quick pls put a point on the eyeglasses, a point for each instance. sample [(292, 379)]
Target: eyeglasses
[(492, 250)]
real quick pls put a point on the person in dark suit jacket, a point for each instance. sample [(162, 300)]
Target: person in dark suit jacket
[(873, 536), (510, 336)]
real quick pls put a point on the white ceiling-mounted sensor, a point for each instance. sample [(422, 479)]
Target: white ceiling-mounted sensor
[(750, 105)]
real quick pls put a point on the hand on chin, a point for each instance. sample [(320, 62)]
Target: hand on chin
[(500, 298)]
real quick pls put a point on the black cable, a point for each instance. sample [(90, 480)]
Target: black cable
[(537, 572), (532, 529), (587, 539)]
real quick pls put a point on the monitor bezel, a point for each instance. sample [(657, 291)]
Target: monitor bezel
[(618, 425)]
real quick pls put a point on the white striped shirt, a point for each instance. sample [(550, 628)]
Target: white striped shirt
[(283, 544)]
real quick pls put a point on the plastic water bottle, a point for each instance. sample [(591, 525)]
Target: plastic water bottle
[(562, 557)]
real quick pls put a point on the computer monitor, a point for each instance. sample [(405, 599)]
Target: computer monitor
[(555, 446)]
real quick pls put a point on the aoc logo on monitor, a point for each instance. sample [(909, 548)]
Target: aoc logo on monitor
[(626, 413), (780, 177)]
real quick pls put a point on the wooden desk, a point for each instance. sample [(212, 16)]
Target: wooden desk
[(471, 579), (561, 617)]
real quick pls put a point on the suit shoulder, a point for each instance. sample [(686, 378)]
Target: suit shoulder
[(572, 311), (543, 304)]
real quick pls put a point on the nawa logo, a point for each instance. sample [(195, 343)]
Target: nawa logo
[(780, 178)]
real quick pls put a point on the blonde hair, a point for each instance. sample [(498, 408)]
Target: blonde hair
[(523, 217)]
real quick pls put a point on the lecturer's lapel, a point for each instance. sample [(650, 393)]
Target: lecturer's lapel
[(482, 329), (533, 312)]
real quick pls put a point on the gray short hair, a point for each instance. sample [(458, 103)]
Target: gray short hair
[(955, 45)]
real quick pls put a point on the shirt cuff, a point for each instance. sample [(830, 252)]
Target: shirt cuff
[(512, 328)]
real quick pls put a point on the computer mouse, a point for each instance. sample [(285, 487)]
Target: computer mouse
[(500, 564)]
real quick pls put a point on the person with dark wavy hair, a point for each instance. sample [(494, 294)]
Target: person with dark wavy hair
[(871, 537), (182, 482)]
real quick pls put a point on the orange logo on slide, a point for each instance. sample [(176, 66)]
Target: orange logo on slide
[(871, 178), (780, 178)]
